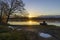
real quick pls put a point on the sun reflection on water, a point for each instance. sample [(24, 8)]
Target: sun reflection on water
[(30, 22)]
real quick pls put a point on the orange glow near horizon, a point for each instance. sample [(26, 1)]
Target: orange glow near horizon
[(30, 22), (30, 16), (33, 13)]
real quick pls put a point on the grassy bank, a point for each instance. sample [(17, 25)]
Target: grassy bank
[(8, 34)]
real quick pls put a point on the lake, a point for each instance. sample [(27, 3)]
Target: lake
[(33, 23)]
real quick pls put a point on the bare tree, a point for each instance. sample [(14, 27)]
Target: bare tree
[(7, 7), (3, 11)]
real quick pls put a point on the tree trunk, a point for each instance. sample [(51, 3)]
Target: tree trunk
[(0, 19), (4, 19), (8, 17)]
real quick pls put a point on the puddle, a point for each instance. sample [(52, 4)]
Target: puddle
[(45, 35), (11, 27)]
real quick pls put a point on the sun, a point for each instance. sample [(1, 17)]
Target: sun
[(30, 16), (30, 22)]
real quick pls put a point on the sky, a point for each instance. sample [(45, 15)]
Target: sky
[(42, 7)]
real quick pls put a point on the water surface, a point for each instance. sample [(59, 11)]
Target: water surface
[(33, 23)]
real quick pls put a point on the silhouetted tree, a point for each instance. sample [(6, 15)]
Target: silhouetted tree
[(3, 11), (7, 7)]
